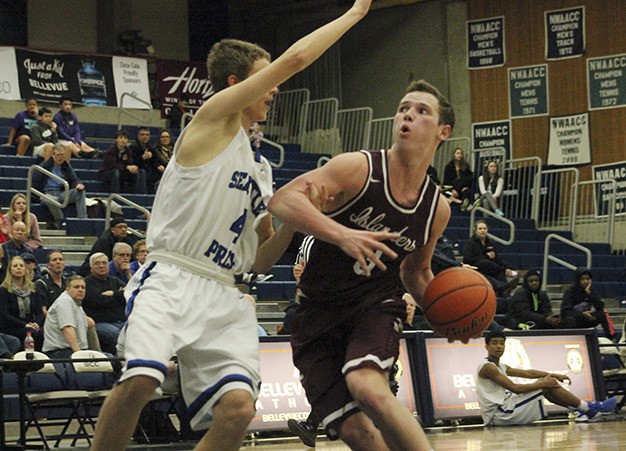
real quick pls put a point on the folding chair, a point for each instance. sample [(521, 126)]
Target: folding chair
[(47, 398), (614, 369), (97, 378)]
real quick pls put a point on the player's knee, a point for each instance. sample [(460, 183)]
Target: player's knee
[(236, 408), (139, 389), (369, 389)]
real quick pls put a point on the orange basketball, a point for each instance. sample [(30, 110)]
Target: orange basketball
[(459, 303)]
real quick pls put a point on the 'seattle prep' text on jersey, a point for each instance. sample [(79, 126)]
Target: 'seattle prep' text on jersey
[(331, 273), (208, 213)]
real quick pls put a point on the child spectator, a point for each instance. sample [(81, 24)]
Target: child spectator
[(69, 130), (43, 134), (20, 128)]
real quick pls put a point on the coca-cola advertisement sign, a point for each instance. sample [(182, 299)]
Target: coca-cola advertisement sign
[(177, 78)]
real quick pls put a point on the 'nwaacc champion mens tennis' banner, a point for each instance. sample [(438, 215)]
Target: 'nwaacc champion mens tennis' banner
[(87, 79)]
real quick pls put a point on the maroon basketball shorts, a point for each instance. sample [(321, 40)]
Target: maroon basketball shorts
[(328, 342)]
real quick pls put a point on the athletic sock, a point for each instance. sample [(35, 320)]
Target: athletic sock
[(583, 406)]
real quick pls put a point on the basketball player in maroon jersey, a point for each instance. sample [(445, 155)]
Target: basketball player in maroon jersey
[(380, 228)]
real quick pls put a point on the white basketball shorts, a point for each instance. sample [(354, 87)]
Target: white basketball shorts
[(523, 408), (211, 328)]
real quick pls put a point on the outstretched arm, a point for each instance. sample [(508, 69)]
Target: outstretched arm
[(489, 371), (218, 120)]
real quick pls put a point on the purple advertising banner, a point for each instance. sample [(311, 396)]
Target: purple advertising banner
[(282, 397), (452, 369), (50, 76), (175, 78)]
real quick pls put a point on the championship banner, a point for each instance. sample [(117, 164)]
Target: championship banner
[(485, 43), (569, 140), (603, 191), (9, 84), (282, 397), (606, 78), (452, 369), (565, 33), (528, 91), (490, 141), (175, 78)]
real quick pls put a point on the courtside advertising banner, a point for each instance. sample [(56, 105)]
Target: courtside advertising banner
[(131, 82), (9, 83), (569, 140), (282, 397), (175, 78), (485, 43), (565, 33), (604, 191), (452, 369)]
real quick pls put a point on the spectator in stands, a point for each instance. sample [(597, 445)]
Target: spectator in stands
[(9, 345), (119, 266), (120, 169), (118, 231), (176, 113), (530, 306), (4, 229), (69, 130), (457, 173), (140, 252), (581, 306), (20, 128), (161, 156), (141, 149), (53, 283), (20, 304), (490, 184), (105, 302), (43, 134), (15, 246), (17, 213), (480, 252), (32, 265), (59, 166), (67, 324)]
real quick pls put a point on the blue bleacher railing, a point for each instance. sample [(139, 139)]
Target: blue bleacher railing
[(52, 200)]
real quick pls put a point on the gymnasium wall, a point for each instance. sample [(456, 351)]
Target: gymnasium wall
[(567, 80)]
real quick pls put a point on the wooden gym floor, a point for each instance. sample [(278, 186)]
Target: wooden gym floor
[(609, 434)]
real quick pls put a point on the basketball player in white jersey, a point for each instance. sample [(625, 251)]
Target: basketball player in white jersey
[(212, 198)]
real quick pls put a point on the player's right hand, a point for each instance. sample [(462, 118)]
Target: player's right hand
[(367, 248)]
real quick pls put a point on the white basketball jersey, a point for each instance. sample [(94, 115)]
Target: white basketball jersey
[(208, 213)]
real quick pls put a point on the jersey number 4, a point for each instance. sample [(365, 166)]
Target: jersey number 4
[(237, 226), (370, 264)]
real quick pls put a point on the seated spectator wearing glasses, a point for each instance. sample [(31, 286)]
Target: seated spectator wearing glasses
[(105, 302), (119, 266), (140, 252), (60, 166), (117, 232)]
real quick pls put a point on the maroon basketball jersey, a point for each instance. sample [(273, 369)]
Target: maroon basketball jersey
[(332, 275)]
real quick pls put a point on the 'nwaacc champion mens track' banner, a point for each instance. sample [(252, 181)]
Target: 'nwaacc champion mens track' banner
[(87, 79)]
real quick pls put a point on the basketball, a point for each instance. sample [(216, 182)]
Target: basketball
[(459, 303)]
